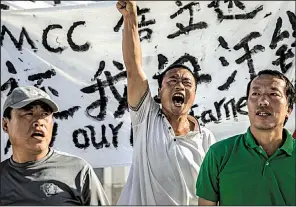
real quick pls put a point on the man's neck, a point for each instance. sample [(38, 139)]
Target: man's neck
[(269, 140), (181, 124), (21, 156)]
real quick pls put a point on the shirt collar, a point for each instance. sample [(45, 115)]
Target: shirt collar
[(197, 125), (249, 139), (287, 146)]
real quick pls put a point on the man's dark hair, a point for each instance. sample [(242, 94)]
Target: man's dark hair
[(289, 90), (44, 106), (7, 113), (174, 66)]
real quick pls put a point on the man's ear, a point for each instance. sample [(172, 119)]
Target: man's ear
[(5, 125), (289, 112), (158, 94), (157, 97)]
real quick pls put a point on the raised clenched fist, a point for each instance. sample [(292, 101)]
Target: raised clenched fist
[(127, 8)]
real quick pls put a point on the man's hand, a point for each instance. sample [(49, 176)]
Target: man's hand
[(127, 8)]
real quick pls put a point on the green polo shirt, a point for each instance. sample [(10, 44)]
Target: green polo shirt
[(236, 171)]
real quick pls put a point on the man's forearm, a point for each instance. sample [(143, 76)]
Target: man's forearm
[(137, 83), (131, 46)]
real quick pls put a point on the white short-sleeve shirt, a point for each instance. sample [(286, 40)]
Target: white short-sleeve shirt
[(165, 167)]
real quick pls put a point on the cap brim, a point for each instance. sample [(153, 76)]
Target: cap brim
[(49, 102)]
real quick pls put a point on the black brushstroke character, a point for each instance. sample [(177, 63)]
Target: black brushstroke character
[(146, 32), (192, 26), (4, 7), (223, 44), (244, 43), (66, 113), (12, 82), (277, 34), (162, 62), (284, 52), (56, 2), (10, 67), (100, 86), (17, 44), (228, 82), (292, 19), (242, 16), (225, 63), (39, 77), (183, 59), (247, 56)]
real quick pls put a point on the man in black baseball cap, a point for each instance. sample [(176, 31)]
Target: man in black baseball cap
[(36, 174)]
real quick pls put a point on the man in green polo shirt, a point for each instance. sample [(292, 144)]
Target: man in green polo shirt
[(258, 167)]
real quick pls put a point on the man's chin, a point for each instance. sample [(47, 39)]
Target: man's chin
[(176, 110), (179, 111), (264, 127), (40, 147)]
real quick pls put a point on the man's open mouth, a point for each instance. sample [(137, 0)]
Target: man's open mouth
[(38, 134), (178, 99), (263, 113)]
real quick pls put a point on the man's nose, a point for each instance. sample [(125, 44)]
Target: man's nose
[(179, 83), (263, 101), (39, 122)]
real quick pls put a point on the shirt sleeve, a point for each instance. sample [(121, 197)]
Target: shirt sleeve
[(207, 181), (93, 192), (208, 139), (140, 112)]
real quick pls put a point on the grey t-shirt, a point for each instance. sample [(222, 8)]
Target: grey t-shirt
[(57, 179)]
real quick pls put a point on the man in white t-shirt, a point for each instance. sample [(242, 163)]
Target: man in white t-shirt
[(169, 144)]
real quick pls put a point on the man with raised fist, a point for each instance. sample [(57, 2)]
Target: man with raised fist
[(169, 144)]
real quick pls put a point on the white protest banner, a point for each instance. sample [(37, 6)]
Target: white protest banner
[(74, 54)]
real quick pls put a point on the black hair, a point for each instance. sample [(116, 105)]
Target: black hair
[(289, 90), (7, 113), (174, 66), (44, 106)]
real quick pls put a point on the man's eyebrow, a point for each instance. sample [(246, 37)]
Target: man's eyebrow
[(275, 89), (272, 88), (173, 76), (255, 87)]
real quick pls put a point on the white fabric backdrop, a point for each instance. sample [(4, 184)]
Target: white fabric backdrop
[(89, 41)]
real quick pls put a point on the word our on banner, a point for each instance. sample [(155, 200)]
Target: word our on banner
[(74, 54)]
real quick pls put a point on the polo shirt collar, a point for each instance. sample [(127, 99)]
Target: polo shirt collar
[(287, 146), (250, 141)]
